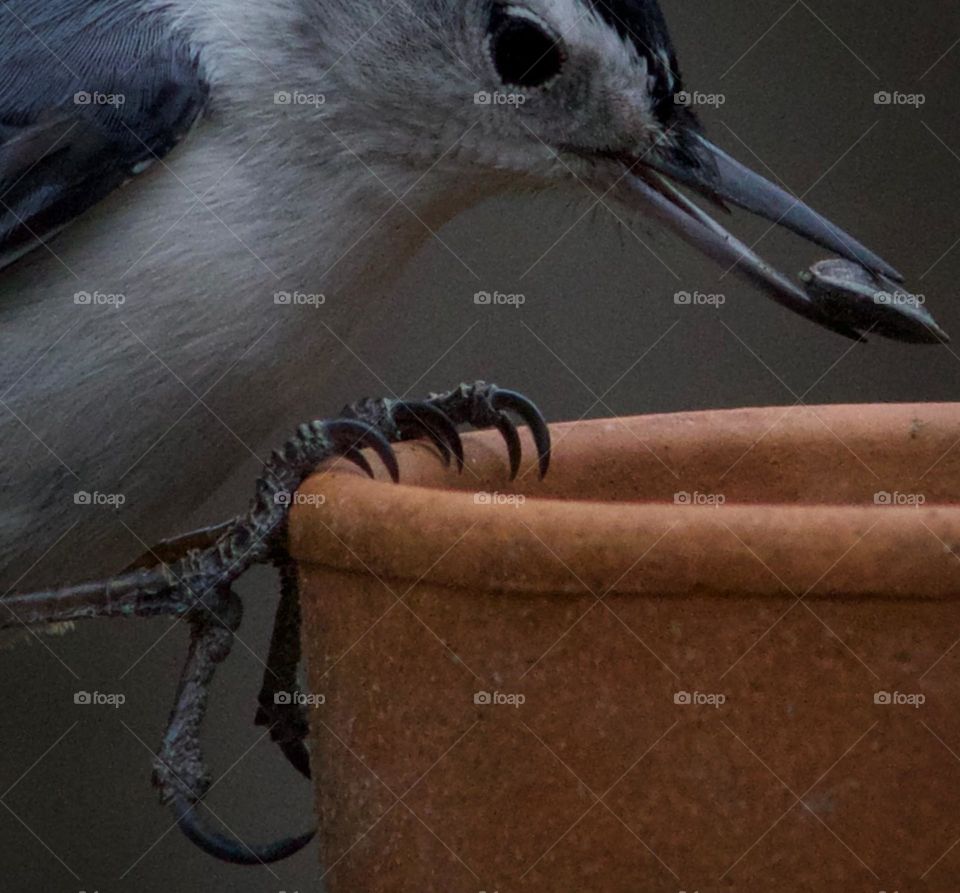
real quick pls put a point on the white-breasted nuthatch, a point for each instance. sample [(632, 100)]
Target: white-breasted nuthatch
[(304, 124)]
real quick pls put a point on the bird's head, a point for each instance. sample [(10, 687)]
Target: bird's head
[(541, 89), (534, 93)]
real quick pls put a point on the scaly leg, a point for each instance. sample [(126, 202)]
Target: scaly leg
[(199, 583), (170, 551)]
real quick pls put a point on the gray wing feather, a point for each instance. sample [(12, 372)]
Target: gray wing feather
[(90, 92)]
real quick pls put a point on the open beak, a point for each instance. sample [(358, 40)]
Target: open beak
[(721, 178)]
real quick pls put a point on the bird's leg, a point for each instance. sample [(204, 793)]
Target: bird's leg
[(388, 421), (199, 583), (253, 539), (169, 589), (139, 594), (172, 550), (179, 768)]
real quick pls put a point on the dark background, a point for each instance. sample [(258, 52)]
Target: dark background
[(599, 321)]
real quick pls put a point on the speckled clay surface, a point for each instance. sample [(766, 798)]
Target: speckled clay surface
[(814, 566)]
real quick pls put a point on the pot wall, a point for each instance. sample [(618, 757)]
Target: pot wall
[(680, 697)]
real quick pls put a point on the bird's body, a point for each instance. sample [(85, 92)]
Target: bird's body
[(301, 147), (197, 247)]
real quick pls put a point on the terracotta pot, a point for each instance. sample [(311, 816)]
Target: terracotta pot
[(711, 651)]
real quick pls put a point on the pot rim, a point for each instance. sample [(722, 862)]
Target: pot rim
[(433, 529)]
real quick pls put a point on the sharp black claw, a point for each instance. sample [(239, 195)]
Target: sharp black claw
[(230, 849), (511, 400), (436, 424), (291, 746), (512, 438), (348, 434), (357, 458), (297, 755), (288, 736)]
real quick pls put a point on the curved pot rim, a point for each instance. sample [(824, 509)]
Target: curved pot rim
[(435, 527)]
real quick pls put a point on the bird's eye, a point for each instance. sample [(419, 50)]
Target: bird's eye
[(524, 51)]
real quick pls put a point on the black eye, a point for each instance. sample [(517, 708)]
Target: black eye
[(524, 52)]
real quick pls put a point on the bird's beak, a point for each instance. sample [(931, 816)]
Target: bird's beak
[(721, 178)]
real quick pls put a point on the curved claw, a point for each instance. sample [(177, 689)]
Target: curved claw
[(436, 424), (348, 434), (511, 400), (357, 458), (229, 849), (512, 438), (287, 737), (297, 756)]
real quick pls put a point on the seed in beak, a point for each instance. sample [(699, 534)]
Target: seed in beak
[(872, 303)]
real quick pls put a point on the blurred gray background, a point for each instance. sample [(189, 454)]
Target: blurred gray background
[(599, 320)]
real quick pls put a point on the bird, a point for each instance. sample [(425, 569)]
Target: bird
[(168, 170)]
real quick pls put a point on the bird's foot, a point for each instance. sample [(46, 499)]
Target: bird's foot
[(193, 577), (180, 772), (479, 405)]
